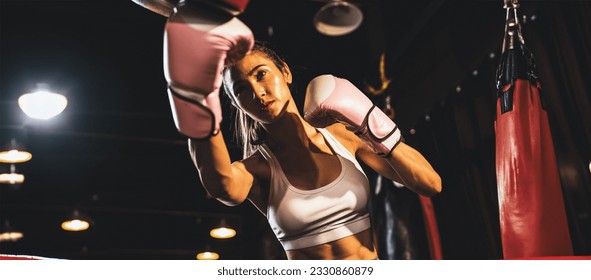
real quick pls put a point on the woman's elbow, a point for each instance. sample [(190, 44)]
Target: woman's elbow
[(432, 185), (223, 191), (226, 198)]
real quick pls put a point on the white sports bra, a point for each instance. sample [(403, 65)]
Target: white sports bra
[(305, 218)]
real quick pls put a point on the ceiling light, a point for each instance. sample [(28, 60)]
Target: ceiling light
[(208, 256), (15, 156), (9, 234), (76, 222), (42, 104), (12, 176), (13, 151), (222, 231), (75, 225), (338, 18)]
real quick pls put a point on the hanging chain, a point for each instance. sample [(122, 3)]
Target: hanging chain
[(388, 109), (512, 24)]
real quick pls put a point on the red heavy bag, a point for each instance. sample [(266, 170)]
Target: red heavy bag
[(431, 228), (533, 219)]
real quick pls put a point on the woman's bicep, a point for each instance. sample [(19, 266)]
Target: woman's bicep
[(227, 181)]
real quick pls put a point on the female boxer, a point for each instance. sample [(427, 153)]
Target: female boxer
[(301, 172), (306, 180)]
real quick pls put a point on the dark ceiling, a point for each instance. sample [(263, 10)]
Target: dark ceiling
[(114, 153)]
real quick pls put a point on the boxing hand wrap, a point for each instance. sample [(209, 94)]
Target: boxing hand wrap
[(197, 45), (330, 99)]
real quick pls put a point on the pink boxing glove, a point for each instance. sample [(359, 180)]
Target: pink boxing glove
[(198, 43), (330, 99)]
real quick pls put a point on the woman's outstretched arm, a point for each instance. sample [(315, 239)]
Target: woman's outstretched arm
[(227, 181)]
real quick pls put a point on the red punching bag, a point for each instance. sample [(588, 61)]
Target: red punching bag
[(533, 219), (431, 228)]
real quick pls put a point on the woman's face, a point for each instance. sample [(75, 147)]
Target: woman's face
[(259, 87)]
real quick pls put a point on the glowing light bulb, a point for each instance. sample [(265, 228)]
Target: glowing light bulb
[(208, 256), (15, 156), (222, 233), (75, 225), (42, 105), (11, 236), (12, 178)]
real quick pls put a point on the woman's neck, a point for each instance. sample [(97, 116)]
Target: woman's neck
[(289, 131)]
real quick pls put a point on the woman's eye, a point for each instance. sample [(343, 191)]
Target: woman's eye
[(260, 75)]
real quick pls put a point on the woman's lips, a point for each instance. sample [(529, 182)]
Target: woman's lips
[(267, 105)]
